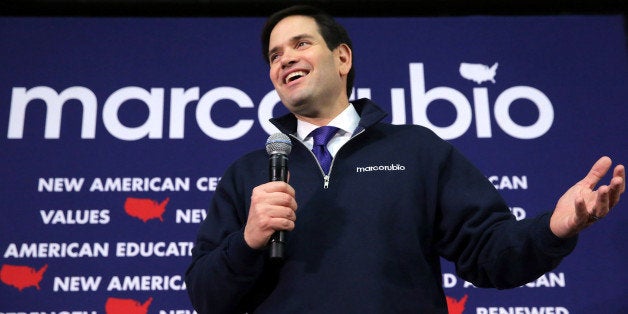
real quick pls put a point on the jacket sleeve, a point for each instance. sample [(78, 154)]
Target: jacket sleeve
[(224, 268), (476, 231)]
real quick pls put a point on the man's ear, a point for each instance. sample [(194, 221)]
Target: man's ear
[(344, 59)]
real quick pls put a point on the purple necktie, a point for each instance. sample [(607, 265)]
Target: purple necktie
[(321, 137)]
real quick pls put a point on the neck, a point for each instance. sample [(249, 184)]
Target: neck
[(324, 114)]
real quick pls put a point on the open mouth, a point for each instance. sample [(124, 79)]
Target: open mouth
[(295, 76)]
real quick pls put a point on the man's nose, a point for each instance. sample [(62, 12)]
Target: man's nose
[(289, 58)]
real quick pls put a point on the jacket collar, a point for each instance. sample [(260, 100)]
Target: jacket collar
[(370, 114)]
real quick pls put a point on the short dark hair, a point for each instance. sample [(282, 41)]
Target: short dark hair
[(333, 33)]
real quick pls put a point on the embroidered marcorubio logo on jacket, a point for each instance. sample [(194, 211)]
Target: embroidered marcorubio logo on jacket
[(391, 167)]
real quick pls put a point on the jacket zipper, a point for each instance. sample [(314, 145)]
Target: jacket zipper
[(327, 177), (326, 180)]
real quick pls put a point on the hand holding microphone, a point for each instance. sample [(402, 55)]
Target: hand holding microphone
[(273, 204)]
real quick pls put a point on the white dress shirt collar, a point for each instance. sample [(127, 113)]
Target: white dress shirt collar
[(347, 121)]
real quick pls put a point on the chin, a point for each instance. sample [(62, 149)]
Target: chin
[(295, 103)]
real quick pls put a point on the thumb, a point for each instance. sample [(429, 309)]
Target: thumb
[(597, 172)]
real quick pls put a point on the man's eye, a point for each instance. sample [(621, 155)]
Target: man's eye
[(302, 44), (273, 57)]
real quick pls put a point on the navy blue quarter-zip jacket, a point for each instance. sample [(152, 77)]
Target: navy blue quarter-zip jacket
[(369, 236)]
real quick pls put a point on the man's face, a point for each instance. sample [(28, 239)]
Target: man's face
[(307, 75)]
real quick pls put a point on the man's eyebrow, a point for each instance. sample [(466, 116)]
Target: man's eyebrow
[(293, 39)]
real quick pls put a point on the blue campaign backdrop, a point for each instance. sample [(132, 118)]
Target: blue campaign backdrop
[(116, 130)]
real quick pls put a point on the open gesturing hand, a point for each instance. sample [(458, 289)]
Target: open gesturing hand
[(581, 205)]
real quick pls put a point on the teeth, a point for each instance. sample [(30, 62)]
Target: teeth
[(295, 75)]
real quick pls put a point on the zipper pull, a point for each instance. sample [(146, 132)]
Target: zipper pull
[(326, 182)]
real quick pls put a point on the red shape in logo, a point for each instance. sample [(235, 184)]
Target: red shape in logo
[(22, 277), (145, 209), (456, 306), (126, 306)]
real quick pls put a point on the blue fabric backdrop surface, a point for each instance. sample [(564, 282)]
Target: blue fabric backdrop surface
[(115, 131)]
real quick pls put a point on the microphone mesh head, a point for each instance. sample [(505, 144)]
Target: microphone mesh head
[(278, 143)]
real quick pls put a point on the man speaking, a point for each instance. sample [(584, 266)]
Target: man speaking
[(365, 241)]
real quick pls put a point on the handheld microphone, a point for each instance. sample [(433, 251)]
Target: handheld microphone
[(278, 147)]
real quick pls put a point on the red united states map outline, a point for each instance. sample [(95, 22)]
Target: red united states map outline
[(145, 209), (456, 306), (127, 306), (21, 276)]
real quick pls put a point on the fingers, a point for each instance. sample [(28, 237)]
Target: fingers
[(601, 207), (273, 207), (607, 196), (619, 179), (582, 214), (581, 205), (273, 194), (278, 214), (617, 187), (597, 172), (276, 186)]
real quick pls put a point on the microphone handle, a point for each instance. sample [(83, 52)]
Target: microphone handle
[(278, 171)]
